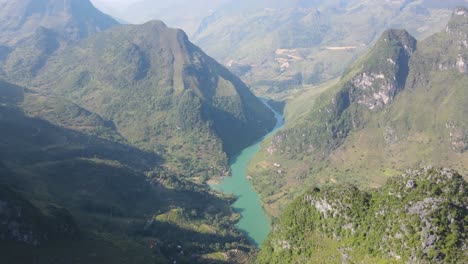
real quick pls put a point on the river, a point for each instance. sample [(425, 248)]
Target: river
[(254, 222)]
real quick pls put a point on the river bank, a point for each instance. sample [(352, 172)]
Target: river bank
[(254, 222)]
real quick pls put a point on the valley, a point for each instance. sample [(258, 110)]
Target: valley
[(253, 220), (233, 131)]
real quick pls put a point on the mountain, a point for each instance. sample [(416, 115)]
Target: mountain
[(32, 30), (418, 217), (401, 105), (70, 19), (162, 93), (109, 137), (276, 46), (69, 195)]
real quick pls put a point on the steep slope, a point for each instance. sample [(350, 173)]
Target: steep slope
[(162, 93), (279, 45), (71, 197), (419, 217), (33, 30), (121, 129), (399, 106)]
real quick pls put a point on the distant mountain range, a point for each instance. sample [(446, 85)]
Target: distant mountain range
[(276, 46), (280, 46)]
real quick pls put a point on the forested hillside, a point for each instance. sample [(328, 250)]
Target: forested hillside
[(109, 134), (162, 93)]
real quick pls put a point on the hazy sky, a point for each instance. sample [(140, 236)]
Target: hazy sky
[(116, 4), (184, 14)]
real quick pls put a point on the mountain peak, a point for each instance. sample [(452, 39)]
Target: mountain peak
[(461, 11), (458, 23), (72, 19), (398, 37), (156, 24), (384, 69), (159, 26)]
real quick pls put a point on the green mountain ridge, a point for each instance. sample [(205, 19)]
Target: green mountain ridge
[(160, 91), (418, 217), (175, 86), (401, 105)]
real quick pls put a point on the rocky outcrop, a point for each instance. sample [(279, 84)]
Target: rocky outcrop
[(458, 24), (381, 96), (418, 217), (370, 85), (458, 137), (385, 70)]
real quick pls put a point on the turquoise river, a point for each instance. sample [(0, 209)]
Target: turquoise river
[(253, 220)]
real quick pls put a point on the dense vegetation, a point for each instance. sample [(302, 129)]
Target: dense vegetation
[(401, 105), (343, 109), (419, 217), (108, 149), (83, 198), (162, 93)]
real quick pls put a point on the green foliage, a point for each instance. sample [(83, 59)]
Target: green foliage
[(120, 129), (420, 216), (159, 91), (80, 189)]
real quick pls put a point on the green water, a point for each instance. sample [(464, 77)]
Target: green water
[(254, 222)]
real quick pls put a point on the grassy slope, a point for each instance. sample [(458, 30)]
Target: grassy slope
[(263, 163)]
